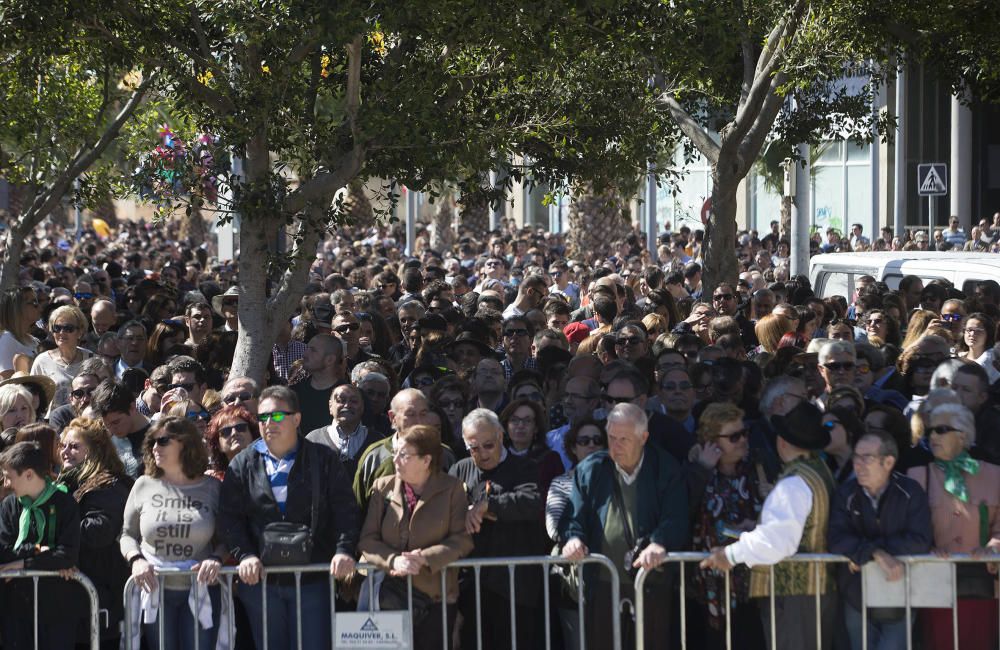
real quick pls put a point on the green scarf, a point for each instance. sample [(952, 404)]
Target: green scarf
[(954, 481), (32, 510)]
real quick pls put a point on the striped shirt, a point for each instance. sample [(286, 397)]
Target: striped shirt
[(277, 472)]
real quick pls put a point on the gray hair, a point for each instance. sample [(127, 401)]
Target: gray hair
[(961, 418), (835, 347), (254, 386), (373, 376), (887, 445), (363, 367), (9, 395), (945, 372), (777, 387), (481, 418), (629, 414)]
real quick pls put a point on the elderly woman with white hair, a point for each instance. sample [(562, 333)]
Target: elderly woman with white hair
[(964, 497), (16, 407)]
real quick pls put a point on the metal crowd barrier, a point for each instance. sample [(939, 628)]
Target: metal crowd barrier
[(928, 581), (544, 564), (88, 587)]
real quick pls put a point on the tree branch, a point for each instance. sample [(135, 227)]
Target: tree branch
[(309, 232), (354, 85), (199, 32), (46, 201), (321, 187), (753, 142), (690, 127)]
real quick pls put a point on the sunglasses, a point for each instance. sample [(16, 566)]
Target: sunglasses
[(63, 329), (450, 404), (237, 397), (951, 318), (736, 436), (187, 387), (162, 441), (830, 425), (80, 393), (199, 415), (628, 340), (511, 333), (941, 430), (242, 427), (588, 441), (275, 416), (83, 296), (608, 399), (347, 327), (839, 366), (675, 385)]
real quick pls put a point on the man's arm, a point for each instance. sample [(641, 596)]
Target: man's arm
[(780, 530)]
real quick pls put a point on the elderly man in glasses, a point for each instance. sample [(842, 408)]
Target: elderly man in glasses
[(630, 504), (837, 362), (504, 519), (346, 327)]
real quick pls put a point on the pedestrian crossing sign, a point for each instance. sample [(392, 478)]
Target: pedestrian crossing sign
[(932, 179)]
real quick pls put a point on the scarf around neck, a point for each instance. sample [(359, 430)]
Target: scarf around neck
[(954, 479), (32, 511)]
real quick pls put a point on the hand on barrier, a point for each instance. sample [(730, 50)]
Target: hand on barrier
[(409, 563), (575, 549), (250, 569), (717, 560), (651, 557), (145, 578), (341, 566), (892, 567), (208, 571), (984, 552), (68, 574), (16, 565)]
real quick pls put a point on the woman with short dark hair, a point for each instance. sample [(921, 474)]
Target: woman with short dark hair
[(170, 520)]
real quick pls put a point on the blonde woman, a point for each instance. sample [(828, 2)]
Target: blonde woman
[(19, 310), (62, 364)]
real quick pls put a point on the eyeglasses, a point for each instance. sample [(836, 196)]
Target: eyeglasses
[(511, 333), (450, 404), (588, 441), (347, 327), (839, 366), (628, 341), (941, 430), (513, 421), (63, 329), (403, 455), (237, 397), (974, 331), (163, 441), (951, 318), (80, 393), (83, 296), (187, 387), (608, 399), (274, 416), (736, 436), (865, 459), (676, 385), (484, 447), (242, 427), (719, 297), (199, 415)]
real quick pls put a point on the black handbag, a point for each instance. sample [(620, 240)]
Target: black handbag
[(284, 543)]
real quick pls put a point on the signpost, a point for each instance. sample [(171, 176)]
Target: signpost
[(932, 180)]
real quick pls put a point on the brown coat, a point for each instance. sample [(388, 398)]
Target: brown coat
[(956, 524), (436, 527)]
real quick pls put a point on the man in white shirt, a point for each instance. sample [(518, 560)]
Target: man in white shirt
[(794, 520)]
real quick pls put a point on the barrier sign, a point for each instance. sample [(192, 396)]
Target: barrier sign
[(372, 631)]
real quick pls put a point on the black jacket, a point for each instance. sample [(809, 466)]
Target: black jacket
[(247, 503), (519, 527), (101, 522), (900, 526), (62, 555)]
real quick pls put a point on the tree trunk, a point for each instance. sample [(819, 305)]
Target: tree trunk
[(193, 226), (721, 264), (14, 247), (474, 213), (595, 222), (443, 222), (786, 217)]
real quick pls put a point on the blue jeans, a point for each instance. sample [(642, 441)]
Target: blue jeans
[(178, 622), (882, 635), (281, 616)]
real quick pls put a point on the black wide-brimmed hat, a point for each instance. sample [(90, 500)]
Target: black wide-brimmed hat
[(803, 427)]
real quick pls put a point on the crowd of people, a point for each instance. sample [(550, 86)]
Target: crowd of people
[(499, 398)]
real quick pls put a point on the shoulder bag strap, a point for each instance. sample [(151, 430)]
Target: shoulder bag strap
[(316, 493), (616, 494)]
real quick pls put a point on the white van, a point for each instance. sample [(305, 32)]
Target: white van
[(834, 274)]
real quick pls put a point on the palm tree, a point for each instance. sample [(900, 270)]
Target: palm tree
[(770, 168), (596, 220)]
